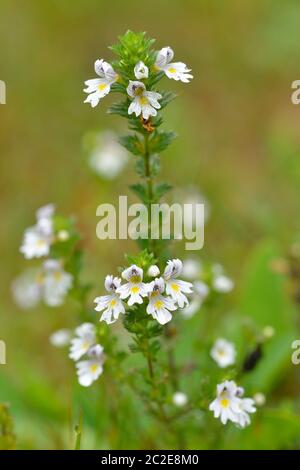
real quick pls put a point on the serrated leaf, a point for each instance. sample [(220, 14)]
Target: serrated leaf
[(134, 348), (133, 144), (131, 48), (160, 190), (141, 191), (154, 164), (160, 140), (120, 108), (118, 88), (167, 97), (155, 79), (140, 167), (143, 259)]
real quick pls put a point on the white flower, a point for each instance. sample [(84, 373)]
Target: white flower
[(111, 304), (159, 306), (227, 405), (45, 212), (230, 406), (180, 399), (191, 269), (192, 308), (35, 244), (259, 398), (44, 216), (144, 102), (60, 338), (108, 157), (223, 352), (153, 271), (97, 88), (50, 284), (89, 370), (26, 289), (56, 283), (221, 283), (175, 287), (135, 289), (175, 70), (86, 338), (38, 239), (201, 291), (246, 405), (141, 70)]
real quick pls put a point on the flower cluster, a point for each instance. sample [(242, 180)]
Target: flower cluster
[(143, 102), (50, 282), (165, 294), (39, 238), (85, 344), (231, 406)]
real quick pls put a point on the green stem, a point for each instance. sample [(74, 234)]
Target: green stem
[(150, 364), (149, 183), (171, 358), (148, 170), (78, 431)]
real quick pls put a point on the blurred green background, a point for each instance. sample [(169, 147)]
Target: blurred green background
[(238, 143)]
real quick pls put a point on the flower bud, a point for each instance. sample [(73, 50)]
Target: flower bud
[(153, 271)]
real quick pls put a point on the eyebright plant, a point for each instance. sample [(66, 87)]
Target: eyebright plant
[(154, 291)]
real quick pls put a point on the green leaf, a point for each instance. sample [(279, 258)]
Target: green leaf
[(78, 432), (154, 164), (131, 48), (134, 348), (155, 78), (141, 191), (265, 301), (7, 437), (133, 144), (263, 297), (160, 140), (144, 259), (75, 263), (118, 88), (276, 360), (140, 167), (167, 97), (160, 190), (154, 329), (120, 108)]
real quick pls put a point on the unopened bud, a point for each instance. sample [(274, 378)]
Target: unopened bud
[(63, 235), (153, 271), (180, 399), (260, 399), (268, 331)]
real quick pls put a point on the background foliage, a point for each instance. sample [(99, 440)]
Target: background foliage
[(238, 143)]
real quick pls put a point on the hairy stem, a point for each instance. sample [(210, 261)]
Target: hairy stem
[(149, 182), (150, 365), (78, 431)]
